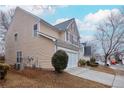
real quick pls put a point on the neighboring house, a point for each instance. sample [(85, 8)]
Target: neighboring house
[(85, 51), (32, 41), (118, 56)]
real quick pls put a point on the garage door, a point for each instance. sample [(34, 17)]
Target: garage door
[(73, 59)]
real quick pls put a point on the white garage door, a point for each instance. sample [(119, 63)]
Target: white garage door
[(73, 59)]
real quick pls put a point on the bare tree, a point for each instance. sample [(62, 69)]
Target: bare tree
[(111, 34), (5, 19)]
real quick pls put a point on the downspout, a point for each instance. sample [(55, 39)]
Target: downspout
[(55, 42)]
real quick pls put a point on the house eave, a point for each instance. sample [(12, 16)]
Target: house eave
[(47, 36)]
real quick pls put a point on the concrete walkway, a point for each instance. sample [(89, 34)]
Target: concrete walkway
[(101, 77)]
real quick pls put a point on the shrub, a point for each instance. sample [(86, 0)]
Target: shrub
[(92, 60), (96, 63), (60, 60), (2, 58), (93, 64), (1, 61), (81, 62), (3, 70), (88, 63)]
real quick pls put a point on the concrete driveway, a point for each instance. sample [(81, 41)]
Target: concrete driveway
[(101, 77)]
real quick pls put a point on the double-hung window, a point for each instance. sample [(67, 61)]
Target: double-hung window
[(35, 30), (19, 56)]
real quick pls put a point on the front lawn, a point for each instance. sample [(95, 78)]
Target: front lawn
[(104, 69), (120, 72), (108, 70), (46, 78)]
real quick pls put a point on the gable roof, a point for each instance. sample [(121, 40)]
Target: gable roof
[(64, 25), (61, 27), (41, 20)]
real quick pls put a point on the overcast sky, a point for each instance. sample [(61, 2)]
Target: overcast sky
[(86, 16)]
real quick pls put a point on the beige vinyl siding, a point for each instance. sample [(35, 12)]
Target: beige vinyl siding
[(62, 36), (37, 47), (49, 31)]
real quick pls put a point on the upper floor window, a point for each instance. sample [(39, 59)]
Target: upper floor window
[(75, 38), (16, 36), (72, 38), (35, 30)]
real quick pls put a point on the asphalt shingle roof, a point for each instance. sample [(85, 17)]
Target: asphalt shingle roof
[(64, 25)]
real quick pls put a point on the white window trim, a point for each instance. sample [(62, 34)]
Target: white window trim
[(73, 39), (19, 57), (38, 29)]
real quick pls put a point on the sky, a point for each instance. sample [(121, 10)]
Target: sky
[(86, 16)]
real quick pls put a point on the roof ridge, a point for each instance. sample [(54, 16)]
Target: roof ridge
[(40, 19)]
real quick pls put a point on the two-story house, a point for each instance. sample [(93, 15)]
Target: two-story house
[(32, 41), (85, 51)]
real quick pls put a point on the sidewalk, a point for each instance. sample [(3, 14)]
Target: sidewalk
[(101, 77)]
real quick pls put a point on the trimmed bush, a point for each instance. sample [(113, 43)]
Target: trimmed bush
[(60, 61), (3, 70), (81, 62)]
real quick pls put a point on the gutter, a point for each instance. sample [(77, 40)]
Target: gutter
[(47, 36)]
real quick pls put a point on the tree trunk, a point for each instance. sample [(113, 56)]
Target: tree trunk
[(106, 59)]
